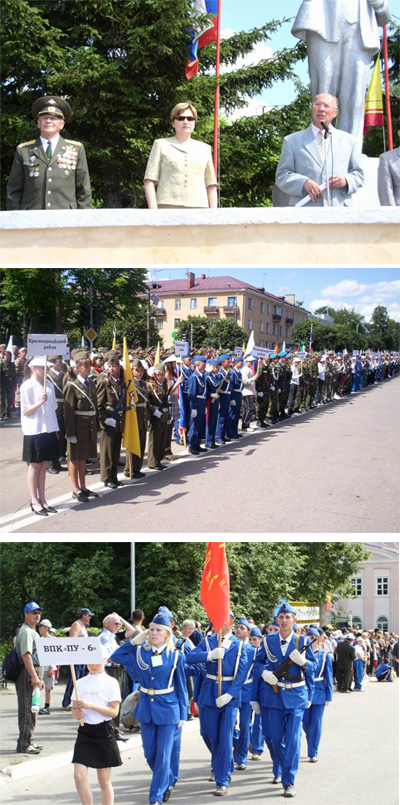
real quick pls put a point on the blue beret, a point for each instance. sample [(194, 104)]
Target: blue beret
[(165, 611), (286, 608), (162, 619), (313, 632), (274, 355), (281, 354), (244, 622), (255, 632)]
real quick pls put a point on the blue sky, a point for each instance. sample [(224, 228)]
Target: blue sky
[(358, 288)]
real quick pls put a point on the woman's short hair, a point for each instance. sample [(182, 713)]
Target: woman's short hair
[(188, 622), (181, 107)]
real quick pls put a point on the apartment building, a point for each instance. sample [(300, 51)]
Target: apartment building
[(271, 317), (376, 590)]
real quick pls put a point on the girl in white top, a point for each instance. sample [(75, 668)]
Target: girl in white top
[(96, 745), (40, 429)]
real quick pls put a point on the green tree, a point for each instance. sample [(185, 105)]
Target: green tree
[(121, 63), (226, 334), (384, 332), (337, 562), (193, 329), (376, 141)]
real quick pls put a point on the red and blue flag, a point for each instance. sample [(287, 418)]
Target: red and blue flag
[(201, 36)]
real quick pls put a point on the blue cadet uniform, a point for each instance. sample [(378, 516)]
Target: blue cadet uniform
[(286, 704), (224, 403), (256, 732), (197, 399), (323, 690), (184, 418), (218, 722), (212, 383), (265, 725), (358, 370), (235, 404), (162, 704), (199, 673), (242, 734)]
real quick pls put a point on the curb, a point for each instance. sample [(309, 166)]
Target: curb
[(42, 765)]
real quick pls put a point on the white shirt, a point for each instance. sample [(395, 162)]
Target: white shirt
[(44, 419), (327, 141), (288, 639), (295, 379), (321, 371), (360, 653), (98, 689), (53, 143), (249, 380)]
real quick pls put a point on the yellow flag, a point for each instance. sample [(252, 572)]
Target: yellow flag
[(158, 354), (114, 342), (131, 439), (373, 115)]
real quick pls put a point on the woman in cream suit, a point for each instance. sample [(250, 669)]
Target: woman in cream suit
[(180, 171)]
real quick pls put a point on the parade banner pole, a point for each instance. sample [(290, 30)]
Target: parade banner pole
[(220, 664), (45, 374), (72, 667), (387, 90), (216, 103)]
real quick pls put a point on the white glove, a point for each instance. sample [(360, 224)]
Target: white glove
[(72, 439), (298, 658), (326, 704), (194, 414), (214, 396), (255, 706), (308, 705), (269, 677), (216, 654), (98, 434), (157, 413), (260, 394), (233, 404), (140, 638), (272, 388), (223, 700), (180, 725), (111, 422)]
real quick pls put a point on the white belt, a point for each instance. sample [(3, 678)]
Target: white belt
[(289, 685), (249, 681), (85, 413), (318, 679), (225, 392), (200, 396), (224, 678), (141, 405), (153, 692)]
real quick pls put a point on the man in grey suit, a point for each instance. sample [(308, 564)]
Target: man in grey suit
[(389, 176), (317, 156), (342, 36)]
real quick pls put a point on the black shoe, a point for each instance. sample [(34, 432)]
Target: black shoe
[(194, 451), (262, 424), (211, 446), (159, 467), (211, 778), (289, 791), (89, 493), (219, 442), (139, 475), (220, 791), (42, 512), (81, 497), (202, 449), (49, 509), (53, 470), (29, 750), (166, 795), (276, 781), (119, 483), (111, 485), (44, 711), (120, 737)]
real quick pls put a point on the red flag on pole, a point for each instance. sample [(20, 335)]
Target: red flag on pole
[(214, 594)]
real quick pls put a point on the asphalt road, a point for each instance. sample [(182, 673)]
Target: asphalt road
[(332, 470), (358, 762)]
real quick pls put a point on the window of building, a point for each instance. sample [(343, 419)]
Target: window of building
[(176, 323), (357, 622), (249, 324), (267, 308), (357, 585), (250, 303), (261, 326), (286, 330), (382, 585), (159, 324), (267, 330), (278, 311), (261, 343), (262, 307), (232, 301), (212, 301), (177, 304), (281, 331), (383, 624), (193, 304), (274, 329)]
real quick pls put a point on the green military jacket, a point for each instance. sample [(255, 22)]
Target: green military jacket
[(59, 183)]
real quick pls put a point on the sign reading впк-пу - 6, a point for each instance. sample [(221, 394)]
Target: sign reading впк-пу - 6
[(69, 650)]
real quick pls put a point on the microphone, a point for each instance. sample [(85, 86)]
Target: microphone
[(326, 129)]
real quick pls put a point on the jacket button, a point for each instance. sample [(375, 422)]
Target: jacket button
[(153, 677), (50, 180), (48, 204), (50, 169), (152, 700), (49, 192)]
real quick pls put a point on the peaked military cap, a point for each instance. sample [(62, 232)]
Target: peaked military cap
[(52, 105), (113, 356)]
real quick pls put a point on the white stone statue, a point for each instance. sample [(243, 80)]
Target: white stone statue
[(342, 36)]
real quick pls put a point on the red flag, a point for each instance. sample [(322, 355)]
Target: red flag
[(214, 594)]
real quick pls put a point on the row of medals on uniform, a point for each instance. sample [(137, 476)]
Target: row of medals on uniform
[(66, 161)]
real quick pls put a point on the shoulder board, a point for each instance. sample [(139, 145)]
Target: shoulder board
[(30, 142), (73, 142)]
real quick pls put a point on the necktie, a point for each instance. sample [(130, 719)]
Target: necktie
[(155, 653), (283, 642), (87, 382), (49, 152), (322, 147)]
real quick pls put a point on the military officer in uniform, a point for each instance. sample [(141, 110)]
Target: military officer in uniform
[(236, 398), (213, 379), (263, 382), (285, 699), (81, 424), (49, 173), (158, 405), (134, 463), (242, 735), (321, 697), (110, 387), (55, 375), (197, 399), (224, 399), (274, 387)]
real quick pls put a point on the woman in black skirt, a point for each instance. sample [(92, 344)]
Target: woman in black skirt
[(40, 429), (96, 746)]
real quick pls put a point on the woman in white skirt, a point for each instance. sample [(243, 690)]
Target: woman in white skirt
[(40, 428), (96, 746)]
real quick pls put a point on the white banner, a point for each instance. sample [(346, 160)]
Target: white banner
[(261, 352), (182, 349), (69, 650), (238, 351), (301, 355), (47, 344)]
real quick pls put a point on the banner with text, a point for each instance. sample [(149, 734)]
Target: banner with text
[(47, 344), (182, 349), (69, 650)]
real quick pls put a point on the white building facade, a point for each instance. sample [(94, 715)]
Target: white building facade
[(376, 590)]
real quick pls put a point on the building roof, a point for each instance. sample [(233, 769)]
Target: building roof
[(386, 546), (221, 284)]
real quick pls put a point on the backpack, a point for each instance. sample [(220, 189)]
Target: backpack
[(11, 666)]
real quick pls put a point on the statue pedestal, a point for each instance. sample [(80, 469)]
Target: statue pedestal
[(259, 236)]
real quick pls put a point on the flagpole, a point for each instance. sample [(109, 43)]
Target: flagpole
[(216, 103), (220, 664), (387, 90)]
